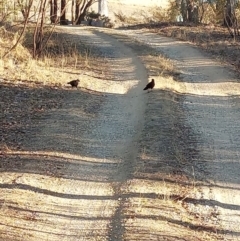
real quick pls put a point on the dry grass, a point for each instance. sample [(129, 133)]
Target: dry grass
[(214, 39), (120, 17), (155, 14), (61, 60), (156, 63)]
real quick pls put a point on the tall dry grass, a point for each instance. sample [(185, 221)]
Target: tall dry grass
[(62, 59)]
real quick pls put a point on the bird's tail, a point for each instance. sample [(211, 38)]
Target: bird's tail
[(145, 88)]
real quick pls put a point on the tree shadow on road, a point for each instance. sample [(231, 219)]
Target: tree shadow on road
[(57, 168)]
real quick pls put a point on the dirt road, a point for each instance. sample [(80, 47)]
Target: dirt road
[(120, 164)]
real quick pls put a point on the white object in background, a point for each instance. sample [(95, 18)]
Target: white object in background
[(102, 7)]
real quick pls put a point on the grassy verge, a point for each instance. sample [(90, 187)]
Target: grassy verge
[(156, 63), (213, 39), (61, 60)]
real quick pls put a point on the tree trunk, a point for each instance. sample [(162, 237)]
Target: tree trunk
[(81, 10), (184, 10), (38, 35), (72, 12), (228, 14), (63, 20), (77, 12), (53, 11), (195, 14), (230, 19), (189, 11)]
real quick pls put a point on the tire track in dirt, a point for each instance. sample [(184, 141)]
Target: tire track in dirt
[(210, 106), (120, 120), (128, 110), (77, 160), (107, 167)]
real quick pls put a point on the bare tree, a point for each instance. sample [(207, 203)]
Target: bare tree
[(72, 12), (183, 10), (38, 35), (192, 10), (82, 6), (6, 10), (53, 11), (189, 11), (230, 19), (229, 13), (63, 13), (23, 30)]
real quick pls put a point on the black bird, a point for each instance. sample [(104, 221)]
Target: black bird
[(150, 85), (74, 83)]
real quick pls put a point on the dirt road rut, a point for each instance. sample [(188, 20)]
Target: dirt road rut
[(84, 154), (117, 164)]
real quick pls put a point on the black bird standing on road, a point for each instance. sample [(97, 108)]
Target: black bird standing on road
[(150, 85), (74, 83)]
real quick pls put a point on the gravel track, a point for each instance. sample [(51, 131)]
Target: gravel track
[(211, 112), (120, 164), (90, 146)]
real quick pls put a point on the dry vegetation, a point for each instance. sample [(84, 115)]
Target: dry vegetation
[(213, 39), (208, 35), (158, 65), (61, 60)]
